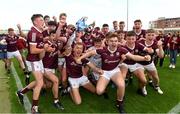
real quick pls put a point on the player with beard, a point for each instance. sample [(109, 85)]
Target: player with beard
[(111, 57), (115, 26), (140, 33), (51, 27)]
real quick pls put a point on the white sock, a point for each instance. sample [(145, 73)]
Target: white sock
[(55, 101)]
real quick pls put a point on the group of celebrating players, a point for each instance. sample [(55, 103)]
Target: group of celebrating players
[(84, 55)]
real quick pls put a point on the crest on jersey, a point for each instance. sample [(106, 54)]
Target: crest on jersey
[(111, 54), (91, 40), (117, 53), (41, 36), (136, 50)]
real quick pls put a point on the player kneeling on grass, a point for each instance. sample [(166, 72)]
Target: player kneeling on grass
[(74, 71), (135, 48), (111, 57), (150, 42)]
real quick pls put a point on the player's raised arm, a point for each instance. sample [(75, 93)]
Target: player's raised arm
[(22, 34), (160, 51)]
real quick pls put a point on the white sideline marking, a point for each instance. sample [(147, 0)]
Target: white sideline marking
[(175, 110), (27, 104)]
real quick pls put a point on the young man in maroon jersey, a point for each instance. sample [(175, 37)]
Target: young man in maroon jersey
[(69, 33), (111, 57), (51, 26), (61, 27), (140, 33), (75, 73), (135, 48), (12, 49), (61, 35), (149, 66), (121, 37), (50, 62), (36, 50), (105, 29), (121, 27), (46, 19), (115, 26)]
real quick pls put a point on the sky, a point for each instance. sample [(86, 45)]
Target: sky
[(15, 12)]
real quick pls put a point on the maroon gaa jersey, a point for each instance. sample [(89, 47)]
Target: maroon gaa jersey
[(50, 59), (138, 48), (111, 60), (11, 43), (142, 34), (45, 33), (154, 46), (74, 70), (87, 40), (34, 37)]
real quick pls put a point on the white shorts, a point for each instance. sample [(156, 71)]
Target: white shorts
[(95, 75), (111, 73), (13, 54), (61, 61), (149, 67), (77, 82), (49, 70), (131, 68), (35, 66)]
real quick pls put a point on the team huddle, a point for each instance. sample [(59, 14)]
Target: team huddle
[(66, 56)]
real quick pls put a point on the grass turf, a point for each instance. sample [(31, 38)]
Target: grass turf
[(134, 103)]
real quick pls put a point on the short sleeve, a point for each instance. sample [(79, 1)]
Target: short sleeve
[(122, 50), (141, 47), (155, 46), (32, 38), (99, 51), (85, 61)]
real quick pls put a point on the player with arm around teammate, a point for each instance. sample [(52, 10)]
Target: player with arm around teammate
[(111, 57)]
